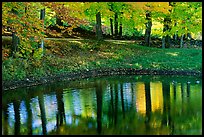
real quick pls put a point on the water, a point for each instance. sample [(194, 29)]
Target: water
[(108, 105)]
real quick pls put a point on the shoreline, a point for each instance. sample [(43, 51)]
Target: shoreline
[(14, 84)]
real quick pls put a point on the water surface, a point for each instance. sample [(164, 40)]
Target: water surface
[(108, 105)]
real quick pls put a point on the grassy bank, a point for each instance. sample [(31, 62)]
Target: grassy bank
[(72, 56)]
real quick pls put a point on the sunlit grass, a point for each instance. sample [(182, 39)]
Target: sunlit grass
[(173, 54)]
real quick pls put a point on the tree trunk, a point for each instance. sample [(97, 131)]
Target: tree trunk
[(181, 41), (111, 26), (163, 42), (42, 17), (167, 21), (175, 36), (15, 42), (189, 36), (15, 39), (59, 21), (120, 29), (98, 27), (116, 24), (148, 29)]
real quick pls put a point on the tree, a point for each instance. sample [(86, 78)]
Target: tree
[(97, 9), (111, 26), (71, 13), (117, 8), (42, 17), (23, 20), (110, 4), (120, 27), (148, 28), (187, 17), (116, 24), (157, 11), (98, 27), (167, 23)]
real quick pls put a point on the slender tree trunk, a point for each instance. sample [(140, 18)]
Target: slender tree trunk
[(111, 26), (59, 21), (15, 42), (120, 29), (15, 39), (167, 22), (166, 39), (175, 36), (111, 20), (163, 42), (189, 36), (120, 26), (116, 24), (181, 41), (42, 17), (148, 29), (98, 27)]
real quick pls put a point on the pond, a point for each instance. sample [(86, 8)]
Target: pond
[(137, 104)]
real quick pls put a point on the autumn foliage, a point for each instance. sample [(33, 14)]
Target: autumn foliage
[(23, 19)]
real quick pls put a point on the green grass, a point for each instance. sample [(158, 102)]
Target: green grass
[(65, 56)]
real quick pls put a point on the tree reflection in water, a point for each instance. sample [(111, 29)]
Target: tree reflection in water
[(119, 105)]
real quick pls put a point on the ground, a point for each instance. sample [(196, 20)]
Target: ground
[(65, 56)]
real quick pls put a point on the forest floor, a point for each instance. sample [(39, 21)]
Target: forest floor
[(63, 57)]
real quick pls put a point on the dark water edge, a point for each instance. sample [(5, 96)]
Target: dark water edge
[(28, 82), (115, 111)]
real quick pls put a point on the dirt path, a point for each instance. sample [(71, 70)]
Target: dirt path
[(78, 39)]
